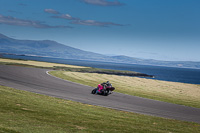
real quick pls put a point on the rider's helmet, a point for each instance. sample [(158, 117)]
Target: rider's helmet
[(108, 84)]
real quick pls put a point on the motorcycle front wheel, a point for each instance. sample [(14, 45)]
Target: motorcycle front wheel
[(94, 91)]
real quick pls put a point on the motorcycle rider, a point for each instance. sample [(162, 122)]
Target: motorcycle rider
[(108, 84), (102, 86)]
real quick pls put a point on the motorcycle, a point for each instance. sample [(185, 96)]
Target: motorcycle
[(105, 92)]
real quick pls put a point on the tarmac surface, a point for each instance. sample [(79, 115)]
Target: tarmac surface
[(39, 81)]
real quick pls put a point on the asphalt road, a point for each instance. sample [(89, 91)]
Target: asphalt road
[(38, 81)]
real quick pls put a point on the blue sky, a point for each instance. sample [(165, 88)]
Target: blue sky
[(150, 29)]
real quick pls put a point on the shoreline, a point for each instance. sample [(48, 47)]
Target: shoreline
[(149, 72), (85, 70), (29, 55)]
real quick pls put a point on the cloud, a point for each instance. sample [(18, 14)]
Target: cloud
[(22, 4), (102, 2), (8, 20), (11, 11), (79, 21), (52, 11), (86, 22), (66, 16), (95, 23)]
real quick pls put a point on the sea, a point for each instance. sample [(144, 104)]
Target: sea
[(183, 75)]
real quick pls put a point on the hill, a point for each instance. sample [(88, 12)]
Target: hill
[(54, 49), (44, 48)]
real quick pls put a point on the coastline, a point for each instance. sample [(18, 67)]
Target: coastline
[(181, 75), (75, 68), (144, 64)]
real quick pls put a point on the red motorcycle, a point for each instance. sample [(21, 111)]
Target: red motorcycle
[(105, 92)]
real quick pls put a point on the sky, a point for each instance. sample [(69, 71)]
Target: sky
[(148, 29)]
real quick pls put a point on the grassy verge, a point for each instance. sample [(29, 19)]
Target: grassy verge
[(172, 92), (23, 112), (103, 71)]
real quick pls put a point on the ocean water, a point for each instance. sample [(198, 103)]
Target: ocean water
[(184, 75)]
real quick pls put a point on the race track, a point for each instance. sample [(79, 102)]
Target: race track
[(38, 81)]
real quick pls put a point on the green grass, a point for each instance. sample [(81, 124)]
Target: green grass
[(26, 112), (172, 92), (102, 71)]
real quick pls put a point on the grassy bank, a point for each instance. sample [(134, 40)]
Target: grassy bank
[(23, 112), (172, 92)]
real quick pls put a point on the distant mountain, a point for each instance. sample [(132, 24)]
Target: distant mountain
[(180, 64), (55, 49), (44, 48)]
